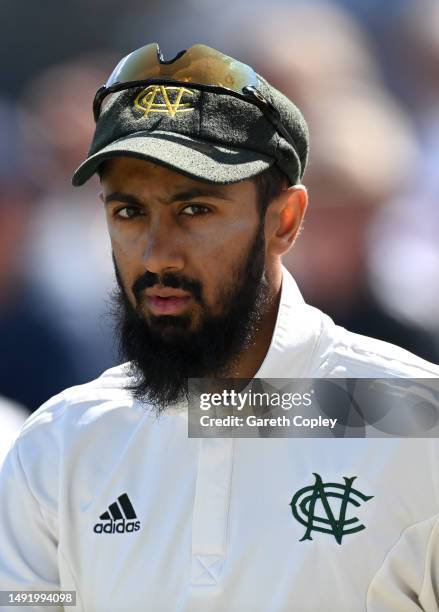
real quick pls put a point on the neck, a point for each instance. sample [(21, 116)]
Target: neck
[(251, 359)]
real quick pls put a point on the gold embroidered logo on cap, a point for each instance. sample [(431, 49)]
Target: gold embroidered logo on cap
[(164, 99)]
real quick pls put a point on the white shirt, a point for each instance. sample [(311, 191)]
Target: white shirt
[(12, 417), (213, 529)]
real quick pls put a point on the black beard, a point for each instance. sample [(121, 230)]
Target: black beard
[(164, 351)]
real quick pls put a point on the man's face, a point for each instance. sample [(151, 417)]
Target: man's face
[(189, 259)]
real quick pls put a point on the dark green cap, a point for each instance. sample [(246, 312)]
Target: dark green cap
[(207, 136)]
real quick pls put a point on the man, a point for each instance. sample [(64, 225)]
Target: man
[(104, 494)]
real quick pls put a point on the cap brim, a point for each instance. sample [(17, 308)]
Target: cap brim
[(196, 158)]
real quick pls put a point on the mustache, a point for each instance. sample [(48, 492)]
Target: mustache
[(168, 279)]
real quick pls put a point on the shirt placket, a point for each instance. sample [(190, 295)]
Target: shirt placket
[(211, 510)]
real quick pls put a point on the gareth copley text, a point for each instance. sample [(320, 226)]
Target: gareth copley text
[(280, 421)]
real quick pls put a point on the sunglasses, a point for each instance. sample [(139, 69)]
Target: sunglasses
[(202, 67)]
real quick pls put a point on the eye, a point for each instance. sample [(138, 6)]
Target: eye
[(128, 212), (193, 210)]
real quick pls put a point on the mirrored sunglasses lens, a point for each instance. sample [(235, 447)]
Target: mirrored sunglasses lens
[(200, 64), (138, 65)]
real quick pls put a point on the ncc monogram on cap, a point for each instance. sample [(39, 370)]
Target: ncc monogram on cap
[(163, 99)]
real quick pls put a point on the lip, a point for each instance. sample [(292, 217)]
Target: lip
[(166, 293), (159, 304)]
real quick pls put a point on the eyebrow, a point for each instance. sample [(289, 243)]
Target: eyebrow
[(116, 196), (196, 192), (189, 194)]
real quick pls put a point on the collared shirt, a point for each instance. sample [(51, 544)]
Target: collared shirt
[(101, 497)]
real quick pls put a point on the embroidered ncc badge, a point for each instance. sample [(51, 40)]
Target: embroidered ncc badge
[(164, 99), (316, 507)]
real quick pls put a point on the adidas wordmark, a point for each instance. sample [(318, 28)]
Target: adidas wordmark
[(114, 518)]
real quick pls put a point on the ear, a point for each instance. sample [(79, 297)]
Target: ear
[(284, 218)]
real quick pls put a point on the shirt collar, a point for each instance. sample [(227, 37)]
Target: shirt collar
[(295, 335)]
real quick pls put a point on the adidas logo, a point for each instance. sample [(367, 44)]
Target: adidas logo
[(114, 517)]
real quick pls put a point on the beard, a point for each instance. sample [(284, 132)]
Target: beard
[(165, 351)]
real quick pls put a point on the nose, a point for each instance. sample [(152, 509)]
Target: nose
[(163, 249)]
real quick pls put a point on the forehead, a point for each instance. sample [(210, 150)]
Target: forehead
[(131, 174)]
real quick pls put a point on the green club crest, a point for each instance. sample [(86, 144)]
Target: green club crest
[(331, 495)]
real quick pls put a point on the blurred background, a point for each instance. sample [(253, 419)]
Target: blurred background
[(365, 74)]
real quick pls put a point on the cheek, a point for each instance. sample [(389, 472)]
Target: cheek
[(129, 269), (218, 252), (127, 243), (232, 238)]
